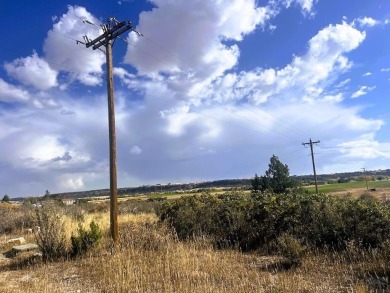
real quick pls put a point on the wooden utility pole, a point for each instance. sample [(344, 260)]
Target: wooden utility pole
[(312, 159), (111, 31), (365, 177)]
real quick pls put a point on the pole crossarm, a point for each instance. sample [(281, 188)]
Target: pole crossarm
[(110, 32)]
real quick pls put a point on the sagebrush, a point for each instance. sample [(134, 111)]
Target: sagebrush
[(252, 222)]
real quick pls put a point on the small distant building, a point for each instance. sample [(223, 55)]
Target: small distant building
[(68, 201)]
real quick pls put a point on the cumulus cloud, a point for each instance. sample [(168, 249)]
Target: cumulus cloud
[(62, 53), (303, 86), (34, 71), (208, 24), (304, 77), (363, 90), (11, 93), (42, 146), (71, 182), (128, 79), (365, 147)]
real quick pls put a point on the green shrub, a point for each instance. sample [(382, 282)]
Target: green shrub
[(253, 222), (84, 240)]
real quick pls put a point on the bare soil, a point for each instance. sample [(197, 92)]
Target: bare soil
[(381, 193)]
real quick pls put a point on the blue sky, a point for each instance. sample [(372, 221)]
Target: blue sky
[(211, 91)]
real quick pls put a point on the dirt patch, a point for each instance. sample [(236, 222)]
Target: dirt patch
[(381, 193)]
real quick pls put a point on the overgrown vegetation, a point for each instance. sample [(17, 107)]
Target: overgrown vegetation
[(327, 244), (14, 218), (253, 222)]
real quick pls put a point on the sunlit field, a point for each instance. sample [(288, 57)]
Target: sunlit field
[(151, 257)]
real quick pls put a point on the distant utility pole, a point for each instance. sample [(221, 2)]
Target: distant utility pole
[(365, 177), (111, 31), (312, 159)]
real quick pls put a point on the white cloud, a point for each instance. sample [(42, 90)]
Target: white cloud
[(32, 151), (306, 5), (71, 182), (62, 53), (34, 71), (385, 69), (11, 93), (365, 147), (128, 79), (343, 83), (135, 150), (333, 98), (302, 78), (367, 74), (363, 90), (367, 22), (204, 52)]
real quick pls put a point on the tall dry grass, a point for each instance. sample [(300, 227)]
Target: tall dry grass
[(151, 259)]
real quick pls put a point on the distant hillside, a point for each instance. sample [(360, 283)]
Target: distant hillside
[(225, 183)]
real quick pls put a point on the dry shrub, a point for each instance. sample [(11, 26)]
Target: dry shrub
[(367, 196), (76, 212), (51, 236), (146, 236), (95, 207), (138, 206), (290, 247), (15, 217)]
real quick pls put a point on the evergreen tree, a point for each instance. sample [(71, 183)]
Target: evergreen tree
[(277, 177), (256, 183), (5, 198)]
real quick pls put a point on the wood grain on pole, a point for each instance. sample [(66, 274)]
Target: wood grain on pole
[(112, 141)]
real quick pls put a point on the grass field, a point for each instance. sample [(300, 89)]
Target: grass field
[(339, 188), (330, 188)]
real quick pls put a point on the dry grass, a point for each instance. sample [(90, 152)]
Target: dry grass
[(151, 259)]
